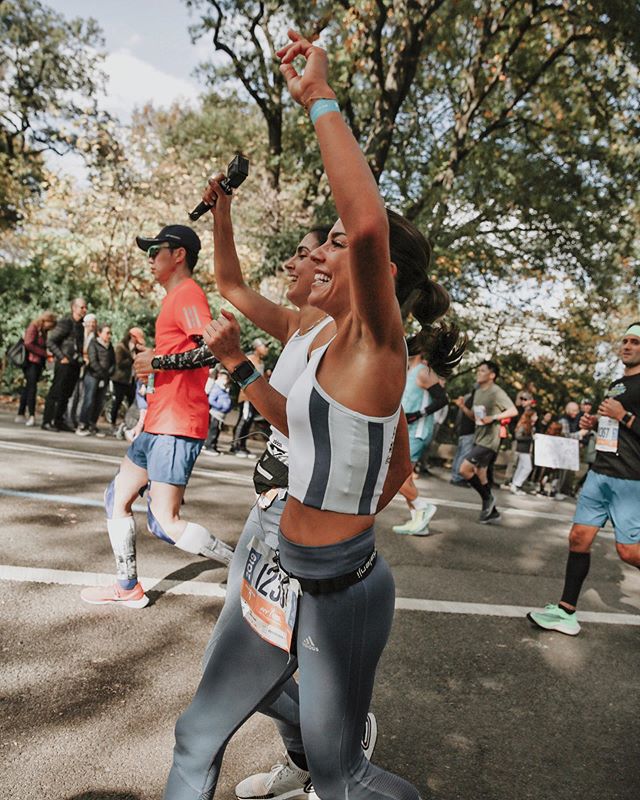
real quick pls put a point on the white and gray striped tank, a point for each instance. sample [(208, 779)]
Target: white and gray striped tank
[(338, 458), (289, 366)]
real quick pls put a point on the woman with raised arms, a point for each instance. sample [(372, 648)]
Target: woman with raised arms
[(327, 597)]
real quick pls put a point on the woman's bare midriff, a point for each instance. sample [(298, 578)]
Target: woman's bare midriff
[(311, 526)]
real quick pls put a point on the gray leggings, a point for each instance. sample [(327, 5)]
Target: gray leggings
[(243, 674)]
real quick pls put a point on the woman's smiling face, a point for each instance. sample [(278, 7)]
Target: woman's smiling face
[(331, 279), (300, 270)]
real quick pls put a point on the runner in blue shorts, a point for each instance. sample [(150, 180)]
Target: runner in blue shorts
[(175, 424), (611, 490)]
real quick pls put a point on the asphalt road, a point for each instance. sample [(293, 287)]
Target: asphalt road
[(472, 702)]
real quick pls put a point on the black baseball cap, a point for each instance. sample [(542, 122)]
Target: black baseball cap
[(175, 235)]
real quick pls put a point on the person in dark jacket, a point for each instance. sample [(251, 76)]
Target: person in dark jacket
[(98, 372), (123, 379), (35, 342), (65, 342)]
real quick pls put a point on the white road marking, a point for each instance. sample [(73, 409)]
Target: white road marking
[(234, 477), (71, 578), (65, 499), (79, 455), (195, 588)]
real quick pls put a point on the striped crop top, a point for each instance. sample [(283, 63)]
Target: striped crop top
[(338, 458)]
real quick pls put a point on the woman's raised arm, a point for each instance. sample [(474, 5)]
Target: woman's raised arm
[(276, 320), (354, 191)]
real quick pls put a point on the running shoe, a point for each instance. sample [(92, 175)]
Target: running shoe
[(62, 426), (99, 595), (516, 490), (210, 451), (283, 781), (555, 618), (19, 419), (492, 516), (30, 422), (418, 525), (370, 735), (488, 507), (217, 550), (83, 431), (240, 453)]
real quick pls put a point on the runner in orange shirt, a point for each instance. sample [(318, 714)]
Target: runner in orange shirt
[(175, 426)]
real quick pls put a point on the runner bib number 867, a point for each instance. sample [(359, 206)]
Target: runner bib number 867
[(607, 436), (269, 597)]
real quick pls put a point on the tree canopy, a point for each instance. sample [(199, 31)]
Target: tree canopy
[(507, 130)]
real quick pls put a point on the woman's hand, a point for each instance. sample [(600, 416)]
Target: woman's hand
[(222, 337), (216, 197), (313, 83)]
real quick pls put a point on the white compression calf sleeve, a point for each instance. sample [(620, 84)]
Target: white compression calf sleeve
[(198, 540), (122, 535)]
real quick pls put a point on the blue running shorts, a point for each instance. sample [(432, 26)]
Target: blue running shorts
[(166, 458), (617, 499)]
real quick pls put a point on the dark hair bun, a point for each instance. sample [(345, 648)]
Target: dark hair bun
[(441, 346)]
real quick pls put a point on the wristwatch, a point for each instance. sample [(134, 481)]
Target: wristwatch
[(244, 374), (155, 363), (627, 418)]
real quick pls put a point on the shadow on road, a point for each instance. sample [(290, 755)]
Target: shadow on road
[(181, 575), (98, 795)]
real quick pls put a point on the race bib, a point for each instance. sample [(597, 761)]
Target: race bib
[(269, 597), (607, 436), (479, 412)]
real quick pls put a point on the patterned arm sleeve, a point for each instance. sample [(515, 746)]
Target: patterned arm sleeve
[(197, 358)]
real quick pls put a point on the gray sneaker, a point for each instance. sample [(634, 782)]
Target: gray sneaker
[(488, 507), (283, 781), (217, 550)]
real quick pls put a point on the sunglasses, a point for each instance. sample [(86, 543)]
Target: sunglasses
[(153, 251)]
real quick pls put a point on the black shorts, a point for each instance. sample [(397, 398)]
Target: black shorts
[(480, 456)]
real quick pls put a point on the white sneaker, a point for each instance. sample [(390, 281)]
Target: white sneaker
[(285, 780), (19, 419), (516, 490), (370, 735), (30, 422), (418, 525)]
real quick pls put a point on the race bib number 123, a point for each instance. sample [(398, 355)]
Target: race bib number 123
[(269, 597)]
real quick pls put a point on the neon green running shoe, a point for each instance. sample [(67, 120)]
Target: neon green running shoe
[(555, 618)]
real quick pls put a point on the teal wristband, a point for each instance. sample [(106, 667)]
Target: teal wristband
[(323, 106), (253, 377)]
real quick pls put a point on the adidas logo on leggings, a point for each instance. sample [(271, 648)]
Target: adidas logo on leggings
[(309, 644)]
